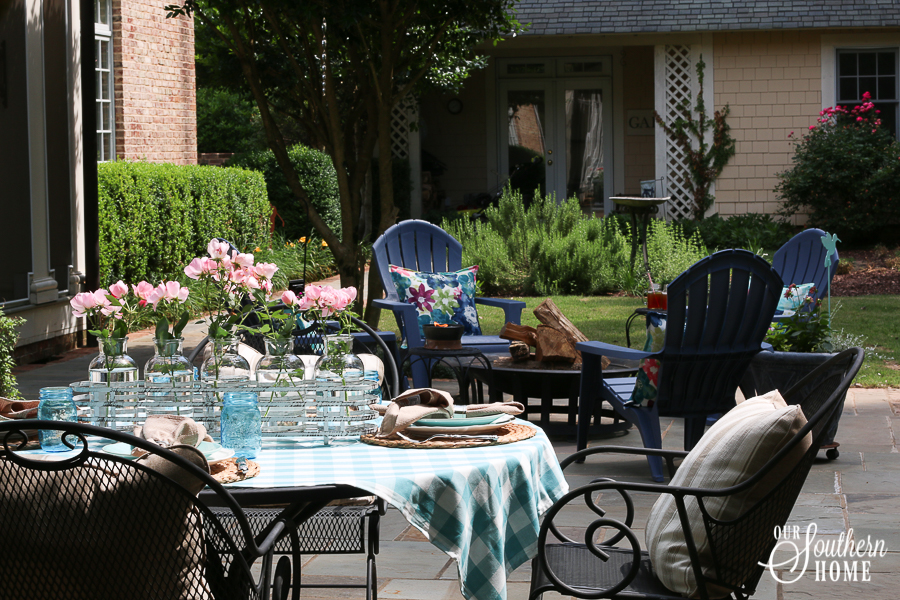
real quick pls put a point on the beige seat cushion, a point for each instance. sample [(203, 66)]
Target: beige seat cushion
[(102, 530), (733, 449)]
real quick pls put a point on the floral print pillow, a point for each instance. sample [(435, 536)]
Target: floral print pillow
[(447, 298), (645, 387)]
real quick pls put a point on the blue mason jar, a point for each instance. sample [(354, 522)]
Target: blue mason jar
[(56, 405), (241, 424)]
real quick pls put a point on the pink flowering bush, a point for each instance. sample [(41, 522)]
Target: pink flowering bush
[(846, 173)]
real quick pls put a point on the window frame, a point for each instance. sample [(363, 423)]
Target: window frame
[(880, 102), (107, 124)]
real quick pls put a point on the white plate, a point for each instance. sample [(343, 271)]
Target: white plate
[(497, 424), (211, 450)]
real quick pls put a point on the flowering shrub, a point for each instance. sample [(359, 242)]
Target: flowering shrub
[(846, 173), (807, 330)]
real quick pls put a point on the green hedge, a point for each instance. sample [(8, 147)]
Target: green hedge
[(316, 173), (155, 217)]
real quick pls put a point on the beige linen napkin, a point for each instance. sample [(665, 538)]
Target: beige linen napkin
[(171, 430), (412, 405), (18, 409), (496, 408)]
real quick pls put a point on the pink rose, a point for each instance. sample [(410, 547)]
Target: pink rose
[(289, 298), (183, 294), (193, 270), (118, 289), (143, 289), (251, 281), (81, 303), (101, 298), (305, 303), (158, 293), (312, 292), (266, 270), (173, 289), (217, 249), (244, 260)]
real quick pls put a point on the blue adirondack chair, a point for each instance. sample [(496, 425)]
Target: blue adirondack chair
[(421, 246), (718, 314), (802, 260)]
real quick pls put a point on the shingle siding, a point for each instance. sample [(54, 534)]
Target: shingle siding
[(548, 17)]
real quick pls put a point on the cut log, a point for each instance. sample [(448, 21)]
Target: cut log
[(553, 346), (549, 314), (519, 333), (519, 351)]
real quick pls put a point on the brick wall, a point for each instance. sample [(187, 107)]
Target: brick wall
[(155, 98), (213, 159), (773, 83)]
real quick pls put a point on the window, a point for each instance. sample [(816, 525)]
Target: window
[(106, 143), (873, 71)]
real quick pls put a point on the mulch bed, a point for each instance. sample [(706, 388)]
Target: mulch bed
[(870, 275)]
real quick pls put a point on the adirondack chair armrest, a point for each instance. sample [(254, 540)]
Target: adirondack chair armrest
[(512, 309), (767, 347), (668, 455), (407, 318), (611, 351)]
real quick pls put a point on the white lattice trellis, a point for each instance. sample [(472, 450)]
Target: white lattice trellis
[(403, 116), (678, 88)]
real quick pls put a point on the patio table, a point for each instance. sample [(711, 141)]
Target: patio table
[(481, 506)]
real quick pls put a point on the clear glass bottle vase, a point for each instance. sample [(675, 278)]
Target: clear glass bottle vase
[(225, 364), (168, 368), (338, 365), (113, 365), (280, 366)]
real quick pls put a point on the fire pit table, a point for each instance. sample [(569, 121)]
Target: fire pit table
[(547, 382)]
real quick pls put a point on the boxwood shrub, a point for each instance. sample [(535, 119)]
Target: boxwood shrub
[(155, 217)]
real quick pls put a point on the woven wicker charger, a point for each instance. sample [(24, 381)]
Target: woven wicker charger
[(226, 471), (512, 432)]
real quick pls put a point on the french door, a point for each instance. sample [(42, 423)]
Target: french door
[(556, 135)]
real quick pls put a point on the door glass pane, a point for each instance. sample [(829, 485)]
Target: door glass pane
[(584, 145), (526, 114)]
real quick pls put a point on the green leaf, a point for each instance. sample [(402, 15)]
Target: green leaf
[(179, 326), (162, 329)]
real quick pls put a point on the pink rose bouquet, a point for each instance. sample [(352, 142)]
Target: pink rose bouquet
[(110, 313), (166, 302), (321, 303)]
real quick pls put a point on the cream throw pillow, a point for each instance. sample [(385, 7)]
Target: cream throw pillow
[(733, 449)]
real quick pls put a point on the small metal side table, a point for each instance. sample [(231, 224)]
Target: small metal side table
[(640, 209), (458, 360)]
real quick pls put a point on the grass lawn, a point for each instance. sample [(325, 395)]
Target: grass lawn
[(603, 318)]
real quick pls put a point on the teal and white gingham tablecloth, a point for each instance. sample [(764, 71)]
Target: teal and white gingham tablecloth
[(479, 505)]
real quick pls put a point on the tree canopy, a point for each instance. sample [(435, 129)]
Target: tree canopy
[(338, 68)]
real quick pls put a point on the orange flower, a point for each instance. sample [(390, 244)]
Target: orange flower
[(302, 240), (324, 244)]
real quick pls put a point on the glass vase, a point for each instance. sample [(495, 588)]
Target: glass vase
[(280, 366), (113, 365), (225, 364), (241, 424), (338, 365), (56, 405), (168, 367)]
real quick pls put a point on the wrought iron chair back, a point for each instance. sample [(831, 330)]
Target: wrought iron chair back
[(739, 547), (67, 536)]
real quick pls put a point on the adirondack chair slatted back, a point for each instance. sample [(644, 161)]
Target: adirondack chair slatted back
[(802, 260), (718, 313), (415, 245), (818, 394)]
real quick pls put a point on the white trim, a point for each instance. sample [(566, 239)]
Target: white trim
[(76, 140)]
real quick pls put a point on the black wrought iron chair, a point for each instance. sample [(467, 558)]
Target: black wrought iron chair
[(94, 525), (585, 569)]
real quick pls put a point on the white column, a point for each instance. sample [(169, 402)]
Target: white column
[(42, 285), (76, 145)]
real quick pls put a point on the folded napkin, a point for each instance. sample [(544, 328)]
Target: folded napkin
[(412, 405), (18, 409), (171, 430), (496, 408)]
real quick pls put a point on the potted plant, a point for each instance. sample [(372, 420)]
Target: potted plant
[(800, 343)]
